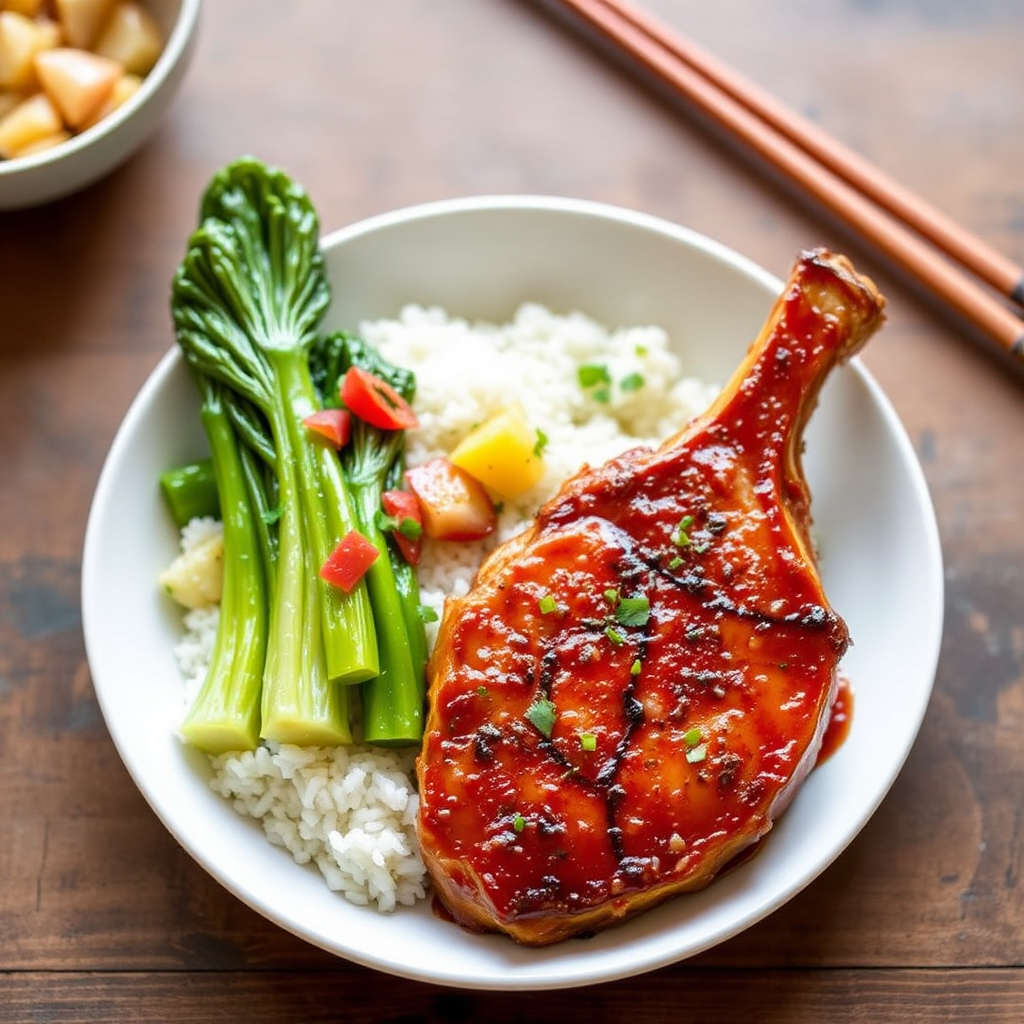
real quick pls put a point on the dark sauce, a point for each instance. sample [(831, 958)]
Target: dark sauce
[(839, 722)]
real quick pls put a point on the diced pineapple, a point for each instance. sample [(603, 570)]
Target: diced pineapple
[(132, 37), (82, 20), (503, 453), (32, 119), (78, 82), (124, 88), (21, 38), (195, 578)]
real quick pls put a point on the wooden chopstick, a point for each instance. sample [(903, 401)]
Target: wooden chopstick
[(879, 209)]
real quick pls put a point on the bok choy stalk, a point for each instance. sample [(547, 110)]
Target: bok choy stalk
[(373, 461), (246, 301), (226, 712)]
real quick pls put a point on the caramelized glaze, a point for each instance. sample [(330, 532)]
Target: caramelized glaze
[(634, 687)]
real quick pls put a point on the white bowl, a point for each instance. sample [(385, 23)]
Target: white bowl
[(83, 159), (481, 257)]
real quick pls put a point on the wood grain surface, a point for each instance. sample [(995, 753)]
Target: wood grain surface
[(379, 105)]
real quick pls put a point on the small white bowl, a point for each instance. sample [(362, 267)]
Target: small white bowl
[(83, 159), (481, 258)]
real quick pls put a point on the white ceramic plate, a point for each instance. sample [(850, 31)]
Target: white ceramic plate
[(480, 258)]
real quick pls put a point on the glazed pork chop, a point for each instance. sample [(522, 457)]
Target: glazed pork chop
[(635, 686)]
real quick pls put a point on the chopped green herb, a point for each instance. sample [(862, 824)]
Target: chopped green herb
[(675, 563), (640, 350), (518, 824), (541, 715), (692, 737), (588, 741), (547, 604), (481, 691), (272, 515), (697, 754), (695, 634), (602, 395), (611, 594), (615, 636), (635, 668), (633, 611), (699, 549), (632, 382), (592, 374), (680, 537), (427, 614), (541, 443)]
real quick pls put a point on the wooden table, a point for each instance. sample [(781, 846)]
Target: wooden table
[(376, 106)]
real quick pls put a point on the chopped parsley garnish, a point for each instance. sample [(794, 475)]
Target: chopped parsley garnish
[(633, 611), (612, 595), (676, 562), (602, 395), (636, 667), (695, 750), (590, 375), (588, 741), (481, 691), (406, 526), (547, 604), (615, 636), (632, 382), (518, 824), (427, 614), (541, 443), (271, 515), (542, 714), (680, 536)]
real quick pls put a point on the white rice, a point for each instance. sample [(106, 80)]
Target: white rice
[(351, 811)]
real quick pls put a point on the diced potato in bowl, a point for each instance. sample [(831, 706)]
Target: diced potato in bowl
[(76, 59)]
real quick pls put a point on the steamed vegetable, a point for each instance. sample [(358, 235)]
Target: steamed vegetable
[(344, 364), (226, 712), (191, 491), (247, 301)]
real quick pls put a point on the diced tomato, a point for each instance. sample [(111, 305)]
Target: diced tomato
[(349, 561), (455, 505), (404, 508), (375, 401), (333, 424)]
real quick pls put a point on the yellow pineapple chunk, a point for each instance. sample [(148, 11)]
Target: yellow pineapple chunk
[(21, 38), (78, 82), (31, 120), (124, 88), (132, 37), (82, 20), (503, 453)]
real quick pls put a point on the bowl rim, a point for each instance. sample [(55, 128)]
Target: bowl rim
[(175, 48), (659, 949)]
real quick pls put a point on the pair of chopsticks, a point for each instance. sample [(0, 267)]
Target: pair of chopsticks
[(903, 226)]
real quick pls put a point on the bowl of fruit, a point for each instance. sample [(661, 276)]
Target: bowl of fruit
[(83, 84)]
